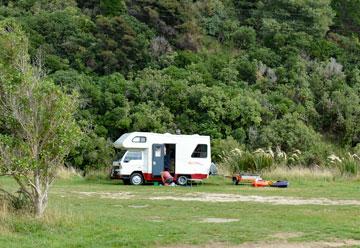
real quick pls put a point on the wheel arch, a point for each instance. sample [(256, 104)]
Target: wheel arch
[(137, 172)]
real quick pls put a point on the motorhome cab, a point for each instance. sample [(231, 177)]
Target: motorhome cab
[(147, 154)]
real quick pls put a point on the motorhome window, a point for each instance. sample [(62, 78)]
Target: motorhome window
[(139, 139), (200, 151), (133, 156), (158, 152)]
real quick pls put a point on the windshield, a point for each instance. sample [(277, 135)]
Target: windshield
[(119, 154), (133, 155)]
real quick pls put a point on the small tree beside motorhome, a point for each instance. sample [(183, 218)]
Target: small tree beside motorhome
[(37, 125)]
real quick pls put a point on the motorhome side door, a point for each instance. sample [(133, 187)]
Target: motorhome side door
[(157, 159)]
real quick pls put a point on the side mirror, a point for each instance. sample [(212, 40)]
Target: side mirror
[(126, 161)]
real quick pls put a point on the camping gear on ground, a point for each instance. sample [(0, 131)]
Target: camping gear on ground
[(280, 184), (257, 181), (245, 178), (261, 183)]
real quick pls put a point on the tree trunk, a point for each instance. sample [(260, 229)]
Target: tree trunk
[(40, 197), (40, 204)]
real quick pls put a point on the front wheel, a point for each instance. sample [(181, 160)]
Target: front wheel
[(136, 179), (182, 180)]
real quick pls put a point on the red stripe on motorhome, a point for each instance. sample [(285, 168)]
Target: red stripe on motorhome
[(149, 177), (199, 176)]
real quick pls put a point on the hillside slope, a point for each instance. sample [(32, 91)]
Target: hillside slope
[(265, 73)]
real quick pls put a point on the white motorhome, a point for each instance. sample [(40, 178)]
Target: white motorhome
[(148, 154)]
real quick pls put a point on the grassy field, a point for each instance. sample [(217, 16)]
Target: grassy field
[(101, 213)]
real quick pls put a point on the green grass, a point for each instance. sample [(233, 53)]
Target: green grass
[(74, 220)]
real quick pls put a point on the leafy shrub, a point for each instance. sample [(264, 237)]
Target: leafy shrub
[(244, 37), (289, 133), (109, 7)]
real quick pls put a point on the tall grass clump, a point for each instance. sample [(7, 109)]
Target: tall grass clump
[(68, 172), (3, 208), (98, 174), (349, 165), (240, 161), (277, 164)]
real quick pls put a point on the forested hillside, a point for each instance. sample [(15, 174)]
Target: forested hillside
[(270, 73)]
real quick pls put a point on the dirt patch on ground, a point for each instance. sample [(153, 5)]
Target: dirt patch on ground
[(218, 220), (276, 200), (287, 235), (156, 219), (138, 206), (216, 197), (282, 244), (107, 195)]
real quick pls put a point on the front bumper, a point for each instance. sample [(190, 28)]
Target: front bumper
[(116, 174)]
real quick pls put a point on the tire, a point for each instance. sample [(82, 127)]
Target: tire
[(136, 179), (235, 181), (182, 180)]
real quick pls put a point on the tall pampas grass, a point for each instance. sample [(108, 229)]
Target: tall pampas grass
[(280, 165)]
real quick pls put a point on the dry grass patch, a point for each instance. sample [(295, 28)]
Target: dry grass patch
[(4, 210), (63, 172), (301, 173)]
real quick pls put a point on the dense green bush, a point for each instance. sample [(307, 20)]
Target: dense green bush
[(244, 37), (289, 133), (248, 73)]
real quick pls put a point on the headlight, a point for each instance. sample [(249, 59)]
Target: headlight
[(116, 168)]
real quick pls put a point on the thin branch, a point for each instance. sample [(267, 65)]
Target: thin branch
[(31, 184), (5, 174)]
